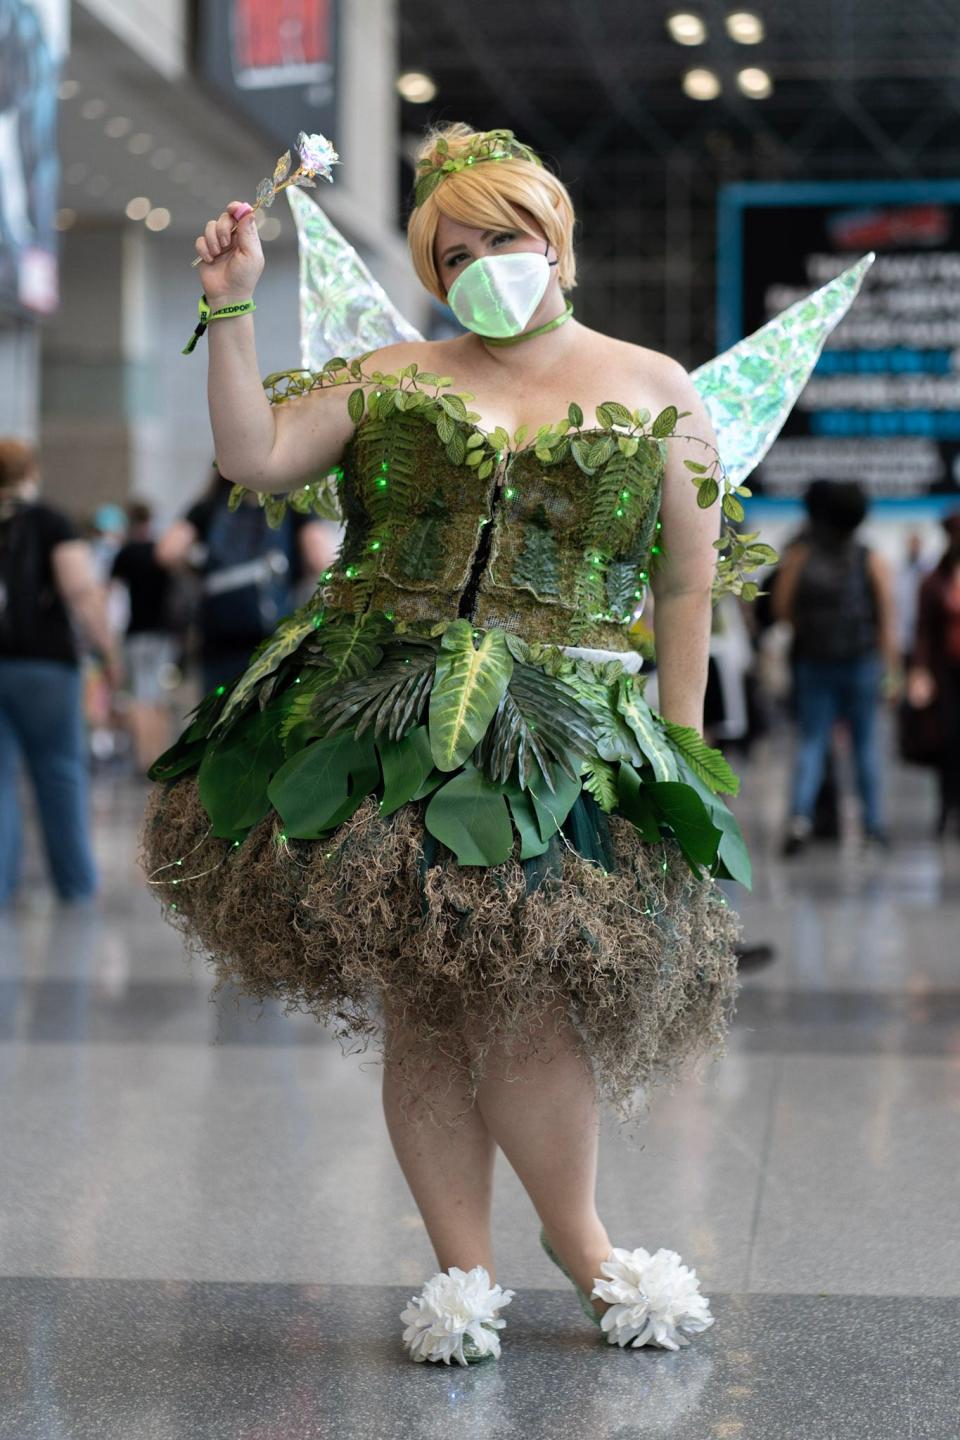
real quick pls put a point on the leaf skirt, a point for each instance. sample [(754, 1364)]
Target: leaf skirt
[(389, 895)]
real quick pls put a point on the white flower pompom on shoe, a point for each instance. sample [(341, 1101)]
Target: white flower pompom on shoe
[(653, 1299), (455, 1317)]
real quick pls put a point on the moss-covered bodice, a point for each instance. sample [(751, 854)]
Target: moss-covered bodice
[(550, 539)]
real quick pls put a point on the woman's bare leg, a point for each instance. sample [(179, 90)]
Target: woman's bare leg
[(546, 1120), (445, 1151)]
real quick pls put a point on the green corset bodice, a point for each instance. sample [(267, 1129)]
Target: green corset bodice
[(550, 540)]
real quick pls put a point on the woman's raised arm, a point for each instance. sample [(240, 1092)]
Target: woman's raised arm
[(261, 446)]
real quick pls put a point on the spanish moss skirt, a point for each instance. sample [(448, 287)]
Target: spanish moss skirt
[(379, 920)]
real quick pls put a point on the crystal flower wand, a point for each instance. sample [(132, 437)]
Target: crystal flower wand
[(317, 157)]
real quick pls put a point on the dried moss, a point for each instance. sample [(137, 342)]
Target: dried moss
[(462, 957)]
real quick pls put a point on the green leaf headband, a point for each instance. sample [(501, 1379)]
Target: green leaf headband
[(491, 145)]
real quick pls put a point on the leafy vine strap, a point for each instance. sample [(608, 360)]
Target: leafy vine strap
[(741, 554)]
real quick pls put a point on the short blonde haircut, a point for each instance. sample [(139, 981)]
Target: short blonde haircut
[(492, 193)]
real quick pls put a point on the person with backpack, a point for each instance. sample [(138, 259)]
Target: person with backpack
[(150, 646), (251, 575), (47, 581), (838, 597), (933, 682)]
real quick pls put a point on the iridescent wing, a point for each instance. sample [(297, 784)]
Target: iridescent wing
[(750, 389), (343, 311)]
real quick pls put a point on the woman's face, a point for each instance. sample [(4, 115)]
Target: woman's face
[(457, 246)]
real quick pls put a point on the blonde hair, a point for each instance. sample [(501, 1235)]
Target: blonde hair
[(492, 193)]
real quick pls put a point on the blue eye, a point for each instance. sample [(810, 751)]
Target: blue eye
[(505, 235)]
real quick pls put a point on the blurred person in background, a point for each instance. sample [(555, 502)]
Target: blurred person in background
[(837, 596), (47, 579), (910, 575), (252, 575), (107, 532), (934, 677), (150, 649)]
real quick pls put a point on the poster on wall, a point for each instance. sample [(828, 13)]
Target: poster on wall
[(33, 44), (274, 60), (883, 405)]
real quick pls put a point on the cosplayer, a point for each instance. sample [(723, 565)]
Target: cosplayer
[(436, 810)]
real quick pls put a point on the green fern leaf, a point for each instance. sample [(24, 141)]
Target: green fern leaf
[(422, 554), (708, 764), (537, 567), (600, 779)]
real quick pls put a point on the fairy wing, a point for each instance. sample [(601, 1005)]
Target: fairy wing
[(343, 310), (751, 388)]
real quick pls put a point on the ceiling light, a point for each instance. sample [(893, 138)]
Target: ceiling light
[(270, 228), (99, 185), (64, 219), (158, 219), (138, 208), (754, 83), (67, 89), (701, 85), (686, 29), (140, 143), (116, 127), (745, 27), (413, 85), (93, 109), (163, 158)]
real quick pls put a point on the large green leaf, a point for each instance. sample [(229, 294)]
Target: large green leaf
[(469, 815), (466, 692), (321, 786), (613, 738), (733, 857), (525, 820), (391, 697), (553, 806), (406, 764), (182, 757), (235, 773), (639, 717), (680, 806), (351, 647), (288, 636), (635, 804)]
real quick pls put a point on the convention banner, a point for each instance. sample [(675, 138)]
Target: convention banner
[(33, 43), (274, 60), (883, 405)]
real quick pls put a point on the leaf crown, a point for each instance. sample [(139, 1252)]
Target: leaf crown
[(488, 145)]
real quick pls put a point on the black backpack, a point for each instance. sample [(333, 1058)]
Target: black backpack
[(249, 575), (835, 606)]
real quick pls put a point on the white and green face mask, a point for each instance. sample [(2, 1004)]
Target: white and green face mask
[(496, 295)]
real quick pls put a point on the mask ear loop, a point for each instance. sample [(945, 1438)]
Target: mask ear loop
[(547, 252)]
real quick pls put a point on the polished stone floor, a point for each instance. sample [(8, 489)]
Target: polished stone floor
[(204, 1233)]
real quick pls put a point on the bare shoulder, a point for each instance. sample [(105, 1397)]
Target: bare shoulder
[(649, 373), (428, 354)]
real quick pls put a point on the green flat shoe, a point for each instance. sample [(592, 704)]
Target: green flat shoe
[(582, 1295)]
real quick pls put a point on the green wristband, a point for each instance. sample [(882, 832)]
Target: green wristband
[(243, 307)]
